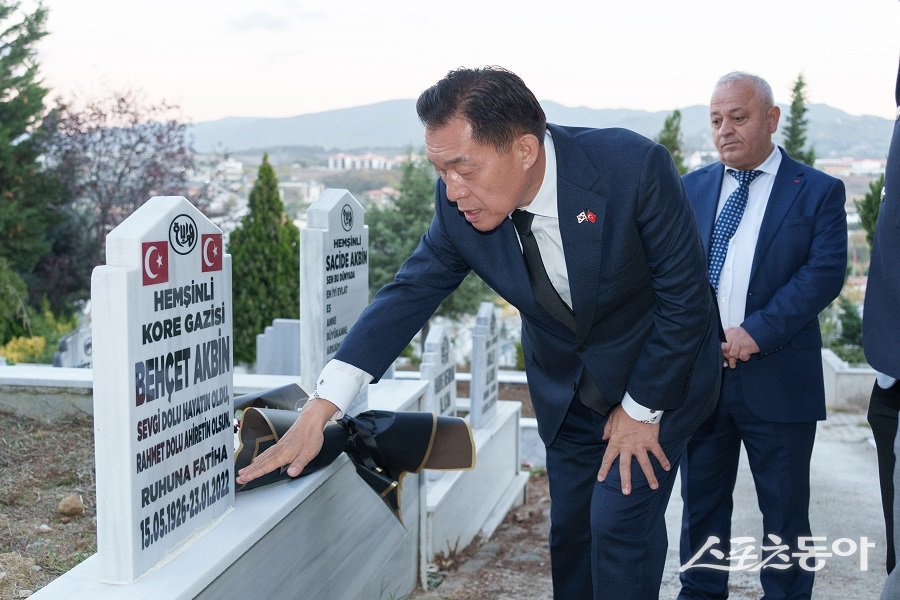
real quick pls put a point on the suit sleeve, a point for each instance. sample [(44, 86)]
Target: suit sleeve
[(814, 284), (401, 308), (681, 315)]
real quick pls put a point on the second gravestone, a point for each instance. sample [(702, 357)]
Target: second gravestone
[(334, 282), (163, 418)]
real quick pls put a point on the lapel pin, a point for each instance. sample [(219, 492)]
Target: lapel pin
[(591, 216), (582, 217)]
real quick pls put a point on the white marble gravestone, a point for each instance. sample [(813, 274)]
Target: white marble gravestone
[(483, 389), (75, 349), (278, 348), (334, 281), (439, 370), (162, 353)]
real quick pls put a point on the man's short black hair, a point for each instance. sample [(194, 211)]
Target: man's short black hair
[(496, 103)]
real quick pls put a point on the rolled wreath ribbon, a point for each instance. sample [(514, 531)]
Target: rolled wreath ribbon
[(382, 445)]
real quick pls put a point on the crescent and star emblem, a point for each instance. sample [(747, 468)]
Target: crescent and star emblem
[(215, 252), (147, 262)]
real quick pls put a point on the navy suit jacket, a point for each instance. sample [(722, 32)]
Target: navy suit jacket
[(882, 307), (798, 269), (646, 322)]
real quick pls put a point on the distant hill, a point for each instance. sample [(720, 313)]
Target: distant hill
[(394, 124)]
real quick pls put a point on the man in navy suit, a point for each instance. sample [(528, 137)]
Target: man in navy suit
[(618, 325), (783, 264), (880, 340)]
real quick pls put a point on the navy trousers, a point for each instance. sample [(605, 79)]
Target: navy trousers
[(884, 407), (603, 544), (779, 455)]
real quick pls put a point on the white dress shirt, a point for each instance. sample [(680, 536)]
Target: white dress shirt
[(884, 380), (734, 281), (341, 382)]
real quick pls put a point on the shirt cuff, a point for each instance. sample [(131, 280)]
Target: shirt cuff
[(639, 412), (340, 383), (885, 382)]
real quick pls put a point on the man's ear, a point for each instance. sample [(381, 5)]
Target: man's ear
[(528, 148), (772, 116)]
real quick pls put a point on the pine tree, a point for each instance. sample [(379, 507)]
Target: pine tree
[(13, 310), (28, 197), (265, 263), (868, 208), (670, 137), (851, 323), (395, 231), (795, 132)]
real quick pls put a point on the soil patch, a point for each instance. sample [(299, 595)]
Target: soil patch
[(40, 464), (513, 565)]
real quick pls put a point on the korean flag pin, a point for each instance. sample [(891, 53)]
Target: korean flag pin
[(582, 217)]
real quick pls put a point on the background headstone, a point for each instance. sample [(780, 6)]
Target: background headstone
[(278, 348), (438, 368), (163, 418), (75, 349), (483, 389), (334, 281)]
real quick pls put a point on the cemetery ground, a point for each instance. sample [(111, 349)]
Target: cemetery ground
[(40, 465)]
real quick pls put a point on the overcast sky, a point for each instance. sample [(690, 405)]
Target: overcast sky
[(218, 58)]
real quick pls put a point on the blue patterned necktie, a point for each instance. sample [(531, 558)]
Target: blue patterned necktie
[(727, 223)]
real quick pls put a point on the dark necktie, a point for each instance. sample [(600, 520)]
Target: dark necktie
[(728, 221), (549, 299), (543, 289)]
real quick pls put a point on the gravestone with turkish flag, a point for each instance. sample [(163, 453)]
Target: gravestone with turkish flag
[(163, 416)]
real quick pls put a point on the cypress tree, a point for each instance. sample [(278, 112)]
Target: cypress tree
[(395, 231), (28, 197), (795, 132), (265, 262), (868, 208), (670, 137)]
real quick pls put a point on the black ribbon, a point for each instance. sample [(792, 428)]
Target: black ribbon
[(382, 445)]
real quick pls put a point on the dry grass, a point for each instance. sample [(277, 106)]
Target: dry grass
[(40, 464)]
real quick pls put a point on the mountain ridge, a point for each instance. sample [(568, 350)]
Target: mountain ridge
[(832, 132)]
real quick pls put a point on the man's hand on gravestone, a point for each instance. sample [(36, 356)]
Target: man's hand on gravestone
[(297, 447), (627, 439)]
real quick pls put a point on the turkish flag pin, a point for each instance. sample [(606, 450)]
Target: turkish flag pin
[(591, 217)]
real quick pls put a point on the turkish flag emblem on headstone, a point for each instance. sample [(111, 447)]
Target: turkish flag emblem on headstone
[(211, 252), (155, 258)]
